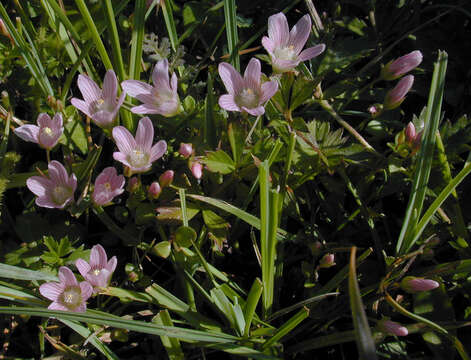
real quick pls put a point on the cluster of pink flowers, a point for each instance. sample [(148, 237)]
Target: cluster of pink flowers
[(70, 295), (247, 94)]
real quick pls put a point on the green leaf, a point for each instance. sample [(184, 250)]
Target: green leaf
[(75, 137), (17, 273), (218, 229), (219, 161), (172, 345), (237, 140)]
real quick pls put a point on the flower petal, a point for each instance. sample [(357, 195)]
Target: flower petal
[(135, 88), (121, 157), (28, 133), (123, 139), (300, 33), (57, 173), (256, 111), (278, 29), (38, 185), (110, 86), (144, 134), (67, 277), (103, 119), (158, 150), (269, 89), (98, 258), (111, 267), (46, 202), (252, 74), (83, 106), (57, 306), (268, 44), (160, 76), (86, 289), (44, 120), (83, 267), (230, 77), (89, 89), (311, 52), (51, 290), (145, 109), (227, 103)]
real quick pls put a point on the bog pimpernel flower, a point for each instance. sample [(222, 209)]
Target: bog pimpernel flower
[(396, 95), (138, 153), (395, 69), (246, 94), (99, 270), (108, 185), (284, 47), (162, 98), (55, 190), (68, 294), (100, 105), (46, 134)]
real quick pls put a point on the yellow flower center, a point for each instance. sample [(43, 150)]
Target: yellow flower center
[(138, 159), (247, 98), (72, 297), (286, 53), (60, 194)]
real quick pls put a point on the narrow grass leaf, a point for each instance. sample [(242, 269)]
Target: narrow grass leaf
[(251, 304), (231, 32), (18, 273), (170, 23), (171, 345)]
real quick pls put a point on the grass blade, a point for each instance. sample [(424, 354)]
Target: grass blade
[(425, 157), (137, 39), (251, 304), (18, 273), (170, 23), (231, 31), (363, 337), (171, 345)]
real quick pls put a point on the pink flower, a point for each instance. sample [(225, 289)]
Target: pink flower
[(46, 135), (154, 190), (392, 327), (138, 153), (166, 178), (162, 98), (68, 294), (414, 285), (100, 105), (197, 170), (98, 272), (185, 150), (245, 94), (55, 190), (284, 47), (396, 95), (107, 186), (327, 261), (395, 69)]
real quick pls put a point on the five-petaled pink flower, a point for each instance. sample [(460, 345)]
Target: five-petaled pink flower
[(138, 154), (284, 47), (55, 190), (68, 294), (100, 105), (246, 94), (107, 186), (46, 134), (162, 98), (99, 270)]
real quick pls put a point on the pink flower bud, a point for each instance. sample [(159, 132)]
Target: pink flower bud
[(327, 261), (375, 110), (392, 327), (154, 190), (197, 170), (186, 150), (166, 178), (413, 284), (133, 184), (410, 133), (395, 69), (396, 96)]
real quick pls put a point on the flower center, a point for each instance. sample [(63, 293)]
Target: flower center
[(60, 194), (162, 96), (138, 159), (72, 297), (101, 104), (248, 98), (48, 131), (96, 272), (286, 53)]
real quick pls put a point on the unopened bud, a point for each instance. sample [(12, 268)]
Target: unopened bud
[(396, 95), (414, 285), (133, 184), (395, 69), (185, 150), (154, 190), (410, 133), (375, 110), (197, 170), (327, 261), (166, 178), (392, 327)]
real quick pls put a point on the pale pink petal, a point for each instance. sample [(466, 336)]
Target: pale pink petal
[(72, 182), (58, 173), (278, 29), (57, 121), (145, 109), (120, 101), (269, 89), (311, 52), (82, 106), (284, 65), (231, 78), (67, 277), (122, 158), (98, 258), (168, 108), (28, 133), (44, 120), (86, 289), (227, 103), (89, 89), (174, 83), (160, 76), (300, 33), (103, 118), (123, 139), (110, 86), (135, 87), (268, 44), (158, 150), (111, 267), (57, 306), (46, 202), (145, 134), (51, 290), (252, 73), (38, 185), (81, 308), (82, 266), (256, 111)]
